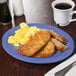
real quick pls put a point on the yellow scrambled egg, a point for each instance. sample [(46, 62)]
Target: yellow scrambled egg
[(22, 35)]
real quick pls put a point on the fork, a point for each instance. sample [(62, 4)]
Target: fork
[(65, 70)]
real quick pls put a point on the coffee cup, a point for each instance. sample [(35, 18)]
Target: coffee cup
[(63, 11)]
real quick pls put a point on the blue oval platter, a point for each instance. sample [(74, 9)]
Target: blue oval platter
[(57, 57)]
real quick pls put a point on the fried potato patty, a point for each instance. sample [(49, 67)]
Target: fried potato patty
[(46, 51), (36, 42)]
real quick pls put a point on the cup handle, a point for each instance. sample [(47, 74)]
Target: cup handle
[(73, 19)]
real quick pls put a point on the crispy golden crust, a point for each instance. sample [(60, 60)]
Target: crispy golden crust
[(35, 43), (58, 37), (59, 46), (46, 51)]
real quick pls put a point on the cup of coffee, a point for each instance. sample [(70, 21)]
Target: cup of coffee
[(63, 11)]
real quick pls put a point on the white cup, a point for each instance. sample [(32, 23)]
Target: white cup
[(37, 11), (63, 17)]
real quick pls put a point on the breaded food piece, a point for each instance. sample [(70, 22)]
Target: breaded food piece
[(47, 51), (35, 43), (59, 46), (58, 37)]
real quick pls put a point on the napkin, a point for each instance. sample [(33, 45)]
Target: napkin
[(61, 66)]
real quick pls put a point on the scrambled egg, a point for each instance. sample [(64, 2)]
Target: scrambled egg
[(22, 35)]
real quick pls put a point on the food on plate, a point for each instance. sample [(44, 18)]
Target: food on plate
[(58, 37), (59, 46), (35, 43), (23, 34), (47, 51)]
